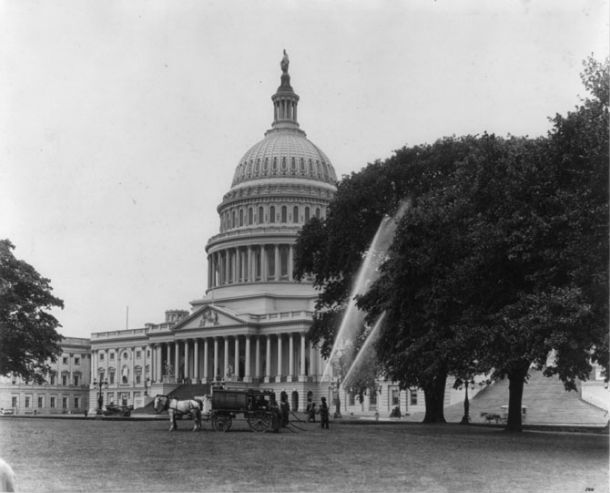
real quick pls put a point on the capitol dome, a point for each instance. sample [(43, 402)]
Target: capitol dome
[(279, 184), (284, 153)]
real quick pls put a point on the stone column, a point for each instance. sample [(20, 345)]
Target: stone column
[(279, 358), (263, 253), (186, 359), (205, 360), (247, 375), (196, 360), (236, 359), (268, 360), (226, 277), (249, 269), (302, 371), (240, 265), (177, 359), (290, 262), (290, 358), (276, 255), (168, 357), (257, 358), (226, 355), (215, 370), (159, 362), (93, 364)]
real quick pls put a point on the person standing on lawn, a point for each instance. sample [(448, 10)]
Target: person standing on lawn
[(324, 412)]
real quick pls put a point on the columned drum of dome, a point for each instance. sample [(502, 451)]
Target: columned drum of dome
[(279, 184)]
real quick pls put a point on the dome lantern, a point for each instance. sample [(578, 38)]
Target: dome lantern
[(285, 101)]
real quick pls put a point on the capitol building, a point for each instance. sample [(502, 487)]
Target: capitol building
[(250, 328)]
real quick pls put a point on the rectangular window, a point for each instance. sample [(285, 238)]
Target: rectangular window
[(395, 397), (64, 380), (64, 360), (101, 356), (64, 403), (52, 403), (413, 400), (52, 378), (27, 401), (372, 400), (76, 380), (40, 401), (138, 354), (76, 360), (351, 399), (111, 355), (14, 401), (138, 378), (76, 402), (111, 378)]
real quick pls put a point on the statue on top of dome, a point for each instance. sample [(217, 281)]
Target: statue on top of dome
[(285, 62)]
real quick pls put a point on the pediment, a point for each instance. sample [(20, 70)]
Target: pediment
[(209, 317)]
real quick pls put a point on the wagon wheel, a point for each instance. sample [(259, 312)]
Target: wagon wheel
[(222, 423), (259, 421)]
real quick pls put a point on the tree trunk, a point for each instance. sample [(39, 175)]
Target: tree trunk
[(516, 380), (434, 395)]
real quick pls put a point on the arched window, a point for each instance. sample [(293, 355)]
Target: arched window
[(241, 217), (318, 212), (272, 214), (306, 214), (284, 214), (250, 216), (295, 214), (233, 219), (261, 215)]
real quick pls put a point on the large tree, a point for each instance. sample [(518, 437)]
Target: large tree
[(331, 250), (506, 262), (28, 336)]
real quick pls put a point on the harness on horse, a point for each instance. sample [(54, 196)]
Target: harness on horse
[(166, 407)]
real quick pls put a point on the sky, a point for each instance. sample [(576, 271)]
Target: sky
[(122, 122)]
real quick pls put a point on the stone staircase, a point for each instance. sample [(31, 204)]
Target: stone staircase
[(546, 401), (182, 392), (191, 390)]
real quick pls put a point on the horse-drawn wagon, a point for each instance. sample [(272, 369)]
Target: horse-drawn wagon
[(258, 408)]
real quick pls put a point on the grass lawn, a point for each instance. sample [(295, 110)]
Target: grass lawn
[(94, 455)]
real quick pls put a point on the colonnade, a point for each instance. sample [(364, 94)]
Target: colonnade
[(283, 357), (258, 263)]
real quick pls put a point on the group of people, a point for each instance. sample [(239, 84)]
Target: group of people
[(323, 412), (281, 412)]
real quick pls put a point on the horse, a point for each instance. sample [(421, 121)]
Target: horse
[(175, 407)]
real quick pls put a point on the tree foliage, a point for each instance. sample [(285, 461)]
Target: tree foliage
[(28, 335), (501, 260)]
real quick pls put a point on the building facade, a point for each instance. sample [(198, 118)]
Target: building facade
[(250, 327), (66, 390)]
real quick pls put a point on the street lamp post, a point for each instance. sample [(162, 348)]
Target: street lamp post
[(102, 384)]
